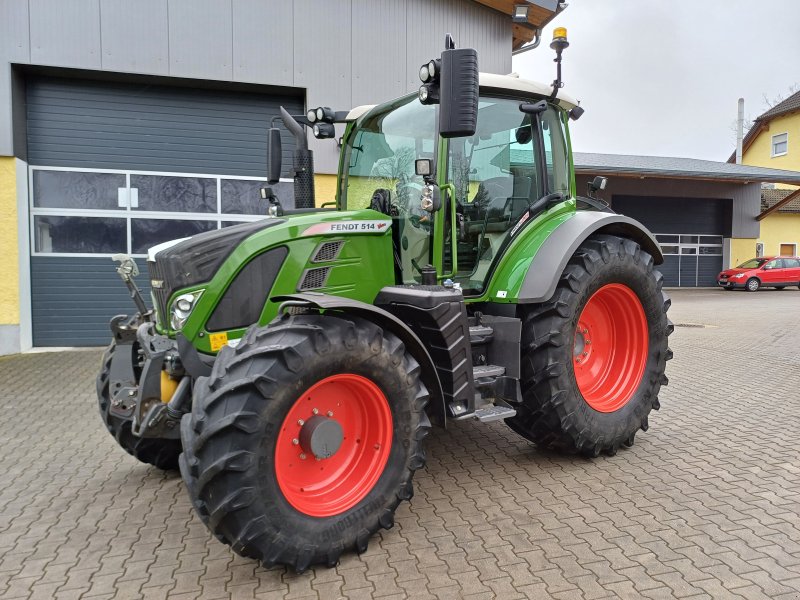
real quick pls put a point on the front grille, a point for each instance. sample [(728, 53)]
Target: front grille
[(327, 251), (313, 279), (160, 294)]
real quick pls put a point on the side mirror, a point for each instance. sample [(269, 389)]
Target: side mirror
[(274, 157), (459, 91)]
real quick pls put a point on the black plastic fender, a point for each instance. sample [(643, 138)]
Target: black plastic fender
[(551, 259), (389, 322)]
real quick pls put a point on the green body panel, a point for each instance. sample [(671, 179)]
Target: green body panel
[(508, 275), (366, 263), (364, 266)]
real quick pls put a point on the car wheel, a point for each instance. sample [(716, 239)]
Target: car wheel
[(752, 284)]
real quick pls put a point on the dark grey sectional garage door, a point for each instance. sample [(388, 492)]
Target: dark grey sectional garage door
[(118, 167), (690, 231)]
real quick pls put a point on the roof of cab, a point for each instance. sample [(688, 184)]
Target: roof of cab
[(510, 82)]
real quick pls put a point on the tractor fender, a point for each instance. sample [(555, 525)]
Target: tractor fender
[(389, 322), (550, 261)]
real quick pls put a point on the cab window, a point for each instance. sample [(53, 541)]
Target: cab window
[(497, 175), (555, 150)]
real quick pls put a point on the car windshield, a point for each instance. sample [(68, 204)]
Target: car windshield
[(753, 263)]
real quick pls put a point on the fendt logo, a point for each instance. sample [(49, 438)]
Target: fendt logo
[(348, 227)]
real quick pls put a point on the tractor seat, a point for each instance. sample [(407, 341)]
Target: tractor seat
[(507, 199)]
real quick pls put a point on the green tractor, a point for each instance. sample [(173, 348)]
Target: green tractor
[(291, 367)]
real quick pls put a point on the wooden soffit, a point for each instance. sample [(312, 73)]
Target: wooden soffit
[(540, 13)]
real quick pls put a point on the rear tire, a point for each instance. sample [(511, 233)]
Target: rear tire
[(153, 451), (254, 482), (609, 295), (752, 285)]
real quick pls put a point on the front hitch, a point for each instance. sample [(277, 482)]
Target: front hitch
[(135, 379)]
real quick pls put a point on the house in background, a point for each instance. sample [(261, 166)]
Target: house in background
[(774, 139), (774, 142), (780, 221)]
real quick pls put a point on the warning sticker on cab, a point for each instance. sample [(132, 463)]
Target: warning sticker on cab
[(340, 227), (217, 340)]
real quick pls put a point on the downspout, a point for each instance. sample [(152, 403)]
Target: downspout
[(531, 46), (739, 131)]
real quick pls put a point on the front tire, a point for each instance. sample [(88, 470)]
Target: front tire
[(752, 285), (253, 470), (160, 453), (594, 355)]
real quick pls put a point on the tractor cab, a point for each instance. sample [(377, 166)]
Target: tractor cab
[(487, 181)]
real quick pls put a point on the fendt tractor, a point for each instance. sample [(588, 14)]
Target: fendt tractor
[(291, 367)]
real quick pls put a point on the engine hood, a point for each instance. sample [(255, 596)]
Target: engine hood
[(193, 260)]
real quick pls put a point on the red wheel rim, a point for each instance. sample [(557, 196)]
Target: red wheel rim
[(328, 486), (610, 348)]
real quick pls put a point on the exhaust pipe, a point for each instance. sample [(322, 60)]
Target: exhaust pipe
[(303, 163)]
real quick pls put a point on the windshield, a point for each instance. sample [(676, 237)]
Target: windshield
[(379, 158), (511, 161), (753, 263)]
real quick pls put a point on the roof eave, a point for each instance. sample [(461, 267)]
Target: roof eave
[(649, 173)]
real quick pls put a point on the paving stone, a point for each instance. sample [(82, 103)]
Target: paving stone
[(706, 504)]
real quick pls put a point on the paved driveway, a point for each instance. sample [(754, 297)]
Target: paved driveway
[(706, 504)]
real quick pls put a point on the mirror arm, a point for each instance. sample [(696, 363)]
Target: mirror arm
[(295, 129)]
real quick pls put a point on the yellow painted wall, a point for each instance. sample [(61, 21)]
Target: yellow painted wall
[(9, 246), (742, 249), (780, 228), (759, 154), (324, 188)]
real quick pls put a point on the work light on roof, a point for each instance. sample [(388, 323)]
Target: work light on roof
[(424, 74), (323, 130), (434, 67), (520, 14)]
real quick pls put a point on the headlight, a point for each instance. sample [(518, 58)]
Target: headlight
[(182, 307), (311, 115), (739, 275)]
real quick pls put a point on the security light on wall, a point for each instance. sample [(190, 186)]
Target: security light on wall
[(520, 14)]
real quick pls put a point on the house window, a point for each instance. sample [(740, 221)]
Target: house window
[(780, 144), (788, 249)]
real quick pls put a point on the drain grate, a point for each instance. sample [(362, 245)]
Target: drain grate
[(695, 325)]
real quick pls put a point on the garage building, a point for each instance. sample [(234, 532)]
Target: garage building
[(703, 213), (125, 124)]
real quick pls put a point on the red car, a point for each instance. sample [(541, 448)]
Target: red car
[(767, 271)]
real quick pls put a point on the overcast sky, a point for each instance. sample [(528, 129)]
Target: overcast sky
[(661, 77)]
